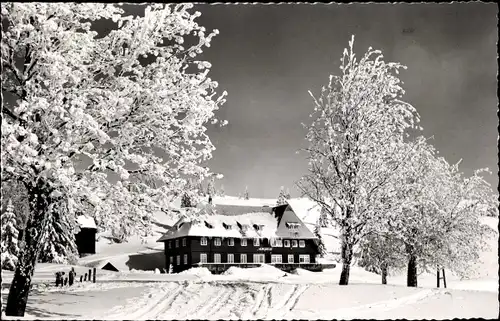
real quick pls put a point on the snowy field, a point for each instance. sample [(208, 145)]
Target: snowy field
[(136, 292), (260, 293)]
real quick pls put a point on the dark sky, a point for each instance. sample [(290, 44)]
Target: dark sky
[(268, 56)]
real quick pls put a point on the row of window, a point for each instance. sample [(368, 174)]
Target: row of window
[(243, 242), (257, 258)]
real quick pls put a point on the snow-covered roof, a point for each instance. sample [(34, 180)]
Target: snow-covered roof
[(249, 225), (305, 209), (86, 221), (231, 200)]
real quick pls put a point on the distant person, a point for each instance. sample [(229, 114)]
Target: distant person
[(58, 278), (65, 281), (72, 275), (62, 278)]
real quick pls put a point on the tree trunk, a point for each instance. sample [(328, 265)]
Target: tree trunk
[(384, 273), (18, 294), (411, 279), (346, 264)]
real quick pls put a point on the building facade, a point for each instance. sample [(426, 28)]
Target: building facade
[(274, 237)]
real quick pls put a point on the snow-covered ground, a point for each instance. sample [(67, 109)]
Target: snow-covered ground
[(257, 293)]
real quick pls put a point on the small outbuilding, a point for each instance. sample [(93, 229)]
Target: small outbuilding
[(86, 238)]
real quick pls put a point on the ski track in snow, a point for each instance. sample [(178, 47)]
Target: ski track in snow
[(163, 305), (234, 300), (365, 310), (220, 303)]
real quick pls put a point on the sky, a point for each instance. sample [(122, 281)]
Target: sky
[(267, 57)]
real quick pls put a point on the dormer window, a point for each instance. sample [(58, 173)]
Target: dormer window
[(208, 225), (256, 227), (292, 225), (242, 227), (180, 225), (226, 226)]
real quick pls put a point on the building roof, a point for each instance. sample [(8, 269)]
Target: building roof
[(267, 224), (86, 221), (306, 209)]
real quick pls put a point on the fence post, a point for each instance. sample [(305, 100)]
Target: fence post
[(444, 279), (90, 274), (438, 277), (81, 278), (93, 275), (85, 278)]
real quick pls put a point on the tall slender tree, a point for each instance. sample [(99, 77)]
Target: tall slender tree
[(10, 233), (358, 122), (59, 244), (246, 195), (130, 101), (281, 197)]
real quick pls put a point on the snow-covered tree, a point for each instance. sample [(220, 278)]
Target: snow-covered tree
[(59, 245), (14, 191), (321, 243), (434, 213), (324, 219), (201, 190), (381, 253), (281, 197), (9, 246), (127, 102), (246, 195), (221, 190), (287, 195), (358, 123), (211, 188)]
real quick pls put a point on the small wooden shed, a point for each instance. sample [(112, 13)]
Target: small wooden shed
[(86, 238)]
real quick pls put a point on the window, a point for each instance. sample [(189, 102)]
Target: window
[(230, 258), (227, 226), (290, 258), (178, 260), (304, 258), (184, 242), (217, 241), (256, 242), (203, 258), (177, 243), (302, 243), (171, 261), (208, 225), (169, 244), (287, 243), (292, 225), (276, 243), (243, 242), (259, 258), (204, 241), (243, 258), (276, 258), (294, 243), (230, 242), (217, 258), (185, 259)]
